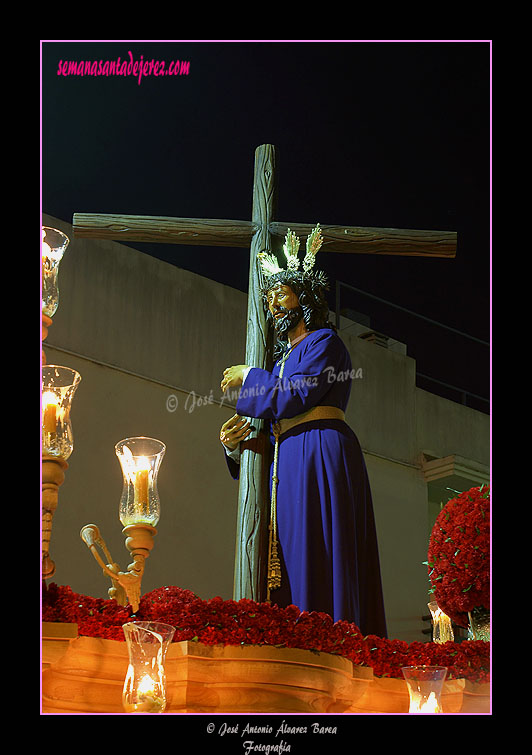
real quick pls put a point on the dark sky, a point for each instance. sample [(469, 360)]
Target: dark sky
[(383, 134)]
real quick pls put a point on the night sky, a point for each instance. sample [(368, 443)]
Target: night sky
[(382, 134)]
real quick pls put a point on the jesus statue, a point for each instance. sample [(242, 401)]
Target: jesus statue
[(323, 553)]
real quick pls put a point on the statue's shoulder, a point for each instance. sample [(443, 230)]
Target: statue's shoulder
[(325, 335)]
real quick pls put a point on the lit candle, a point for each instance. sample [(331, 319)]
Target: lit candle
[(419, 704), (149, 698), (141, 486), (46, 251), (146, 685), (50, 405), (425, 684), (50, 256), (443, 627)]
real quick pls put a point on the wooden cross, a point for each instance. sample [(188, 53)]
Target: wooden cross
[(261, 234)]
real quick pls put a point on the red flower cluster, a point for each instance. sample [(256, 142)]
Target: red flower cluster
[(465, 660), (95, 617), (229, 622), (459, 555)]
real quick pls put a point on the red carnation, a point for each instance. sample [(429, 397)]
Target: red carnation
[(459, 555), (245, 622)]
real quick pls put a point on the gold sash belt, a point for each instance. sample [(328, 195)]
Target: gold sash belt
[(318, 412)]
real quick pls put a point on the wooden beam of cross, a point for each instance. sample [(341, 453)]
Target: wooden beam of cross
[(260, 234), (240, 233)]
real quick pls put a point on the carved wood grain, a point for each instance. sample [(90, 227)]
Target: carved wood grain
[(359, 240), (164, 230), (253, 503), (239, 233)]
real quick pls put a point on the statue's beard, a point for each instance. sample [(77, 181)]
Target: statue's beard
[(283, 325)]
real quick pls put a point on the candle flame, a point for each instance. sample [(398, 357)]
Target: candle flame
[(134, 464), (143, 464), (148, 697), (51, 412), (49, 398), (50, 255), (430, 705), (443, 628), (146, 685)]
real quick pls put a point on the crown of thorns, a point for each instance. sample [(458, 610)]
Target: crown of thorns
[(307, 277)]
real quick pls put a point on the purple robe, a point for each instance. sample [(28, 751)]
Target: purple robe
[(326, 527)]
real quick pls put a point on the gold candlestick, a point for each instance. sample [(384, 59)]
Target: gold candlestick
[(139, 512), (139, 542), (126, 586), (53, 475)]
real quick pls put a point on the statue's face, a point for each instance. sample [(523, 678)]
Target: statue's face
[(281, 297), (283, 305)]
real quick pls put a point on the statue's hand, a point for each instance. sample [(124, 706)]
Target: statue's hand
[(233, 377), (234, 430)]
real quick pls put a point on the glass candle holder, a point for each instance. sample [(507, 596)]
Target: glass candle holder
[(425, 684), (54, 244), (140, 459), (144, 688), (59, 385), (442, 626), (479, 624)]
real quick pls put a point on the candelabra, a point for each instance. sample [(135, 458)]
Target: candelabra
[(59, 385), (139, 512)]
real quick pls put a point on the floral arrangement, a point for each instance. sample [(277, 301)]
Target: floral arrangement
[(228, 622), (459, 555), (465, 660)]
